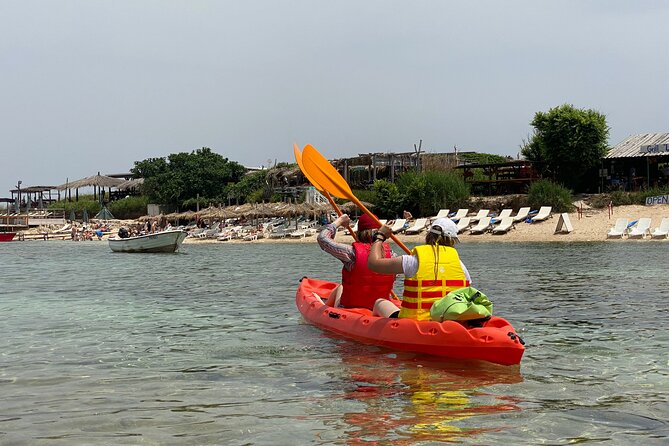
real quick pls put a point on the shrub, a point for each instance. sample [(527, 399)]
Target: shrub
[(388, 202), (622, 198), (548, 193), (365, 195), (129, 207), (426, 193), (86, 202)]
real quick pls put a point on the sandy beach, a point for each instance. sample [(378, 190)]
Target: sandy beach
[(591, 225)]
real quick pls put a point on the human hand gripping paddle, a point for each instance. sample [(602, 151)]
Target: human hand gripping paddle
[(298, 158), (318, 168)]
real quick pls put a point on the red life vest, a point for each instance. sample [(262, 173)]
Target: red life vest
[(361, 286)]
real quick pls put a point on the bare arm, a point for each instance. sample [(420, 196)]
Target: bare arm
[(378, 263)]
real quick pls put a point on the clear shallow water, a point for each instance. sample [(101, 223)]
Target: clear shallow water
[(206, 347)]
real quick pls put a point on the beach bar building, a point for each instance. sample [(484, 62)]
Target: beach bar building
[(640, 161)]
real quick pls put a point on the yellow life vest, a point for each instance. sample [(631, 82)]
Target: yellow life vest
[(439, 273)]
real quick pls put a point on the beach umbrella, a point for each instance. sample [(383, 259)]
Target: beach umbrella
[(85, 217), (95, 180), (130, 184), (72, 216), (104, 214)]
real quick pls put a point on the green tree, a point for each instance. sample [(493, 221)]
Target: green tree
[(567, 143), (253, 187), (185, 175)]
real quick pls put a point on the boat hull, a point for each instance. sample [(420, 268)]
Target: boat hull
[(7, 236), (167, 241), (495, 341)]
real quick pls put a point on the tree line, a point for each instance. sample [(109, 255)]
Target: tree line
[(567, 144)]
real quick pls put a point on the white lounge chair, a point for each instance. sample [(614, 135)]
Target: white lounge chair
[(619, 229), (398, 226), (522, 214), (417, 227), (504, 226), (480, 214), (460, 214), (543, 214), (662, 230), (504, 213), (640, 229), (300, 233), (443, 213), (482, 226), (463, 224)]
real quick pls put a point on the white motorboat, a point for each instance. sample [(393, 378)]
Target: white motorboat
[(166, 241)]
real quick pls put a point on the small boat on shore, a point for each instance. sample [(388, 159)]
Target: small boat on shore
[(7, 236), (166, 241), (493, 340)]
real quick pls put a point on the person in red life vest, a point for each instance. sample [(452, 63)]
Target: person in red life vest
[(360, 287), (431, 271)]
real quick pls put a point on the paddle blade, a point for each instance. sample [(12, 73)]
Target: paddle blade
[(327, 177), (298, 158)]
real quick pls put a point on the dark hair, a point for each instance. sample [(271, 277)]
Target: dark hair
[(438, 239), (365, 236)]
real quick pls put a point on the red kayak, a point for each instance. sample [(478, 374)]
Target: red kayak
[(494, 341)]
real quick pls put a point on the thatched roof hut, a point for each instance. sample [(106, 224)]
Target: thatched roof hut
[(92, 181)]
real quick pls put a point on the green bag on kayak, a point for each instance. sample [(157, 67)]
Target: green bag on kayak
[(463, 304)]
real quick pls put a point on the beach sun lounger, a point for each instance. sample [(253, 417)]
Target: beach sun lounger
[(443, 213), (463, 224), (504, 213), (543, 214), (641, 229), (619, 229), (504, 226), (417, 227), (522, 214), (480, 214), (461, 213), (398, 226), (661, 231), (482, 226)]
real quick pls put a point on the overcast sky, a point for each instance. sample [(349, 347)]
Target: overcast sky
[(88, 86)]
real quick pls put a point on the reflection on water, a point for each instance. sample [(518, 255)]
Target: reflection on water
[(407, 398), (206, 347)]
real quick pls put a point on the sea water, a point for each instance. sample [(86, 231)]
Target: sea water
[(206, 347)]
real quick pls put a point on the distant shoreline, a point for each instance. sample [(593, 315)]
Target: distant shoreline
[(593, 226)]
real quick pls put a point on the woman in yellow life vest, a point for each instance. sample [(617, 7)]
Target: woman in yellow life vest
[(431, 271)]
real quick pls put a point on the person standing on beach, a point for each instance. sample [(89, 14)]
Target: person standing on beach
[(360, 287), (431, 271)]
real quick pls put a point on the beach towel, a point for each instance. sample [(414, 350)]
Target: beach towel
[(463, 304)]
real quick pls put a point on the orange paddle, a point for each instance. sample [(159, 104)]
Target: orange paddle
[(327, 177), (298, 158)]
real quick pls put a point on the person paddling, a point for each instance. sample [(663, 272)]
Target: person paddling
[(360, 287), (431, 271)]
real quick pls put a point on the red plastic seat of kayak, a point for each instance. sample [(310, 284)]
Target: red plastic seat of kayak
[(496, 341)]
